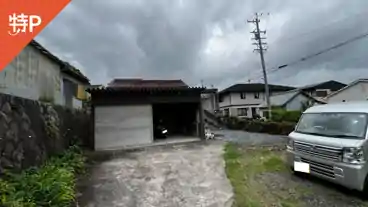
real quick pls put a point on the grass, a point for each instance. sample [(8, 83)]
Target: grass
[(242, 167)]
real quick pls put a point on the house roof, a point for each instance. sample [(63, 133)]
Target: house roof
[(255, 87), (65, 67), (331, 84), (144, 90), (145, 86), (96, 86), (141, 83), (210, 90), (282, 99), (346, 87)]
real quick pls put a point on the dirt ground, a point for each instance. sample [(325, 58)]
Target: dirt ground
[(263, 179)]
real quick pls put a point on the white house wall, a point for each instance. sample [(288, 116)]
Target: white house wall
[(234, 99), (233, 102), (358, 92), (234, 110), (32, 75), (225, 101)]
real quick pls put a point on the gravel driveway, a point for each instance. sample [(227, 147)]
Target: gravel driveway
[(183, 175), (312, 192), (248, 138)]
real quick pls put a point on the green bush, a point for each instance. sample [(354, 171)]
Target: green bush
[(270, 127), (281, 115), (53, 184)]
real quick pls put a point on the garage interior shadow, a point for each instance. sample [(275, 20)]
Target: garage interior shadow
[(180, 119)]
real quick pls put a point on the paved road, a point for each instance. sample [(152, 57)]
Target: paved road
[(249, 138), (188, 175)]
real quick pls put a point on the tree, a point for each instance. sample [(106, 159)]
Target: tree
[(306, 105)]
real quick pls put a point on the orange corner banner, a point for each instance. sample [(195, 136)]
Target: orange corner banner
[(21, 21)]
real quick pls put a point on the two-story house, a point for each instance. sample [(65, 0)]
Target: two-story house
[(321, 90), (37, 74), (242, 100)]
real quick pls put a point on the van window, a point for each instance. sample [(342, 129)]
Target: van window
[(338, 125)]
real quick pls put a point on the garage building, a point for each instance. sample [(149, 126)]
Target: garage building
[(127, 113)]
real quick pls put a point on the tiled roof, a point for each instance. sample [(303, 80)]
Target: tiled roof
[(64, 66), (331, 84), (210, 90), (141, 83), (144, 89), (255, 87)]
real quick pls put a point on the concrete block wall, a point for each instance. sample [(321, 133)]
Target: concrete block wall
[(30, 131)]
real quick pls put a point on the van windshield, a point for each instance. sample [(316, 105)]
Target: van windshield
[(337, 125)]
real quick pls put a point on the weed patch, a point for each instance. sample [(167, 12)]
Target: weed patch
[(52, 184), (242, 168)]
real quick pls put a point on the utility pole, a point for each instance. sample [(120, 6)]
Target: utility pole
[(260, 48)]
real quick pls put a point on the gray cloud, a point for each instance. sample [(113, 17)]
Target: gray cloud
[(209, 39)]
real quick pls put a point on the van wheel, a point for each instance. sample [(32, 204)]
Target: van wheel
[(365, 189)]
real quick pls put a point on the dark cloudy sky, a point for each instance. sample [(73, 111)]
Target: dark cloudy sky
[(210, 39)]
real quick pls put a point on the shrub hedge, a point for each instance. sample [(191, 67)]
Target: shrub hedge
[(53, 184), (281, 115), (269, 127)]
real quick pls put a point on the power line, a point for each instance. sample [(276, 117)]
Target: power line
[(364, 12), (261, 48), (274, 69), (324, 26), (356, 59)]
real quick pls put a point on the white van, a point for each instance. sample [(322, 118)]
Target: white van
[(330, 141)]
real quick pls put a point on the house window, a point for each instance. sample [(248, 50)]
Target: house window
[(226, 112), (321, 93), (242, 111), (221, 99), (256, 95), (242, 95)]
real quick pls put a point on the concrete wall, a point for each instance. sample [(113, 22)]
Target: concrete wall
[(297, 102), (209, 102), (357, 92), (33, 76), (30, 132)]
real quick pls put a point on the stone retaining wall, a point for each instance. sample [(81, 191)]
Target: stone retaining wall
[(30, 131)]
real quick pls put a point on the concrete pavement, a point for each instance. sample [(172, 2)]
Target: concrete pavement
[(249, 138), (184, 175)]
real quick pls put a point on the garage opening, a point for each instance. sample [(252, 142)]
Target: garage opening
[(175, 121)]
